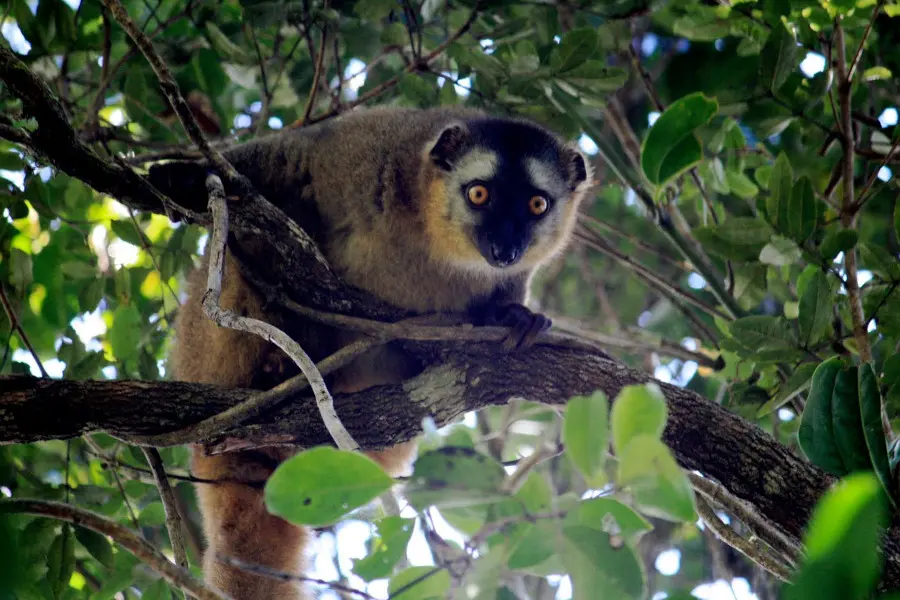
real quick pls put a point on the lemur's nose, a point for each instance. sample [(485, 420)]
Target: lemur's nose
[(504, 255)]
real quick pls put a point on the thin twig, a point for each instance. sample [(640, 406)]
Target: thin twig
[(742, 545), (862, 41), (15, 324), (226, 318), (174, 518), (317, 75), (849, 216), (284, 576), (170, 89), (747, 515), (123, 536)]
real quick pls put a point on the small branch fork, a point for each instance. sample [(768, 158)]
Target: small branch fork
[(226, 318)]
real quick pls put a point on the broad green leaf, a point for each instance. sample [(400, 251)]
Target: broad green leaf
[(575, 47), (419, 583), (389, 547), (847, 422), (891, 371), (158, 590), (870, 408), (61, 561), (638, 410), (533, 547), (845, 529), (454, 477), (780, 252), (98, 545), (374, 10), (738, 238), (781, 184), (876, 73), (125, 332), (763, 333), (597, 75), (152, 515), (816, 305), (660, 487), (319, 486), (799, 381), (613, 517), (837, 242), (778, 58), (880, 261), (741, 185), (816, 433), (601, 568), (802, 212), (586, 433), (671, 147), (126, 231), (20, 270)]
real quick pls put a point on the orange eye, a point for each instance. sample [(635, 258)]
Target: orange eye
[(538, 205), (477, 194)]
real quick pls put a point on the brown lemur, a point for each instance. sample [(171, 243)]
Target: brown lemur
[(438, 210)]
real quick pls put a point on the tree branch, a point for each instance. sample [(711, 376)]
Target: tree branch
[(123, 536)]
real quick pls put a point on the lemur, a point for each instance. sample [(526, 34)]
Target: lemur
[(435, 210)]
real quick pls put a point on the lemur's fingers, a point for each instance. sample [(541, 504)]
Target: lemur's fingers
[(524, 325)]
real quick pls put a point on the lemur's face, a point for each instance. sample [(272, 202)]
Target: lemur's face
[(510, 192)]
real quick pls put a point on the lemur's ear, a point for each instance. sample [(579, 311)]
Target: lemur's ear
[(576, 166), (449, 143)]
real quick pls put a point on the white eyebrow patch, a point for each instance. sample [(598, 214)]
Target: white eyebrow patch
[(477, 164), (543, 176)]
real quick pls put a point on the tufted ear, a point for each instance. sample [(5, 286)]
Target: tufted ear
[(449, 143), (576, 166)]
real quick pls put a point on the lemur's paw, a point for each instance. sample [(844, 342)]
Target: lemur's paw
[(525, 326)]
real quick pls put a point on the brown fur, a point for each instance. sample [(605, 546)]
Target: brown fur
[(363, 187)]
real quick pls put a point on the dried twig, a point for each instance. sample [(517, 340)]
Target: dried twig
[(226, 318), (123, 537), (284, 576), (739, 543), (174, 518)]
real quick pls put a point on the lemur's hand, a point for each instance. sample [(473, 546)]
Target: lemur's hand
[(525, 325)]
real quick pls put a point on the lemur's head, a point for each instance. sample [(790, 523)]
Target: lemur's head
[(503, 193)]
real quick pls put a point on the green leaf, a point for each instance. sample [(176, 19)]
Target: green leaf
[(781, 183), (388, 548), (799, 381), (802, 213), (126, 231), (741, 185), (891, 371), (738, 238), (671, 147), (586, 433), (613, 517), (638, 410), (659, 486), (815, 309), (575, 47), (816, 432), (125, 332), (453, 477), (319, 486), (870, 402), (601, 568), (97, 545), (845, 528), (61, 561), (153, 514), (778, 58), (419, 583), (837, 242), (780, 252), (847, 422), (533, 547), (763, 333), (880, 261), (897, 219), (20, 270), (374, 10), (596, 74)]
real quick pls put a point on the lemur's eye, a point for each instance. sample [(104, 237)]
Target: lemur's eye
[(538, 205), (477, 194)]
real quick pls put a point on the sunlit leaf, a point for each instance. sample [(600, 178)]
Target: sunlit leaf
[(586, 432)]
